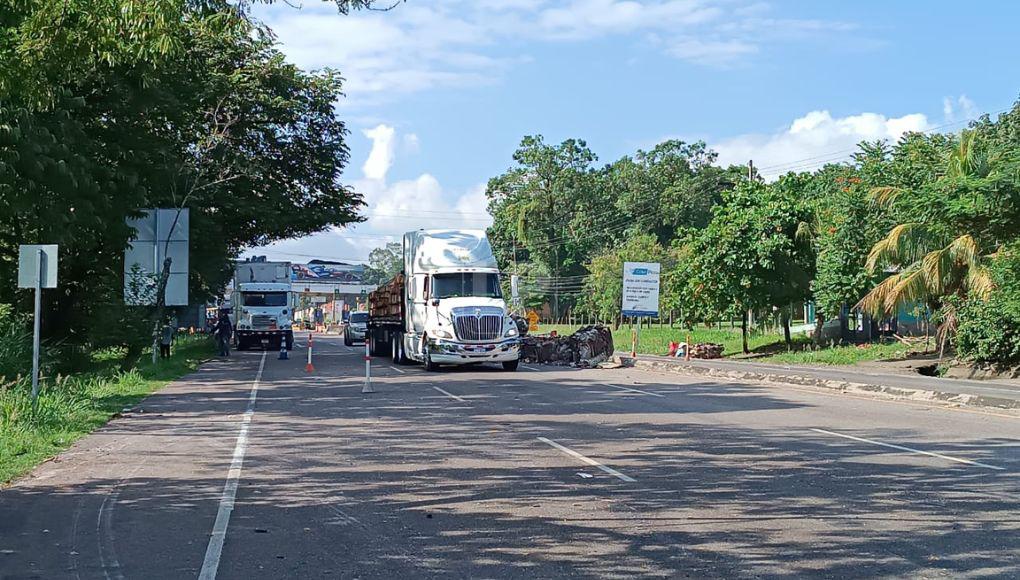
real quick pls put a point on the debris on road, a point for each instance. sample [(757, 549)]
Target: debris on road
[(586, 348)]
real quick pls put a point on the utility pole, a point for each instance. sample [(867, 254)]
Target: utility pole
[(750, 170)]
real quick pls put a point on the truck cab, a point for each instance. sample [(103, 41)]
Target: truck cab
[(462, 318), (262, 312), (445, 307)]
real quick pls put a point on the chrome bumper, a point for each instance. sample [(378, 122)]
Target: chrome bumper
[(447, 352)]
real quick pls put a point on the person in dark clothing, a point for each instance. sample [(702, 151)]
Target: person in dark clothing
[(166, 338), (223, 332)]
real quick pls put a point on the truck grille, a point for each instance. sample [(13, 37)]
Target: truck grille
[(479, 327), (263, 321)]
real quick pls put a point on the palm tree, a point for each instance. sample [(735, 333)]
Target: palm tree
[(931, 261)]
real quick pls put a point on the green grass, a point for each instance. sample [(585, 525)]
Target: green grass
[(655, 340), (765, 347), (840, 355), (74, 406)]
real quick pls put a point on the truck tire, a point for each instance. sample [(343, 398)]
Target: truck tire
[(427, 361), (242, 344), (394, 349), (511, 365), (401, 353)]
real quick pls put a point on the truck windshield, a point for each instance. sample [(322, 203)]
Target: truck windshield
[(465, 284), (265, 298)]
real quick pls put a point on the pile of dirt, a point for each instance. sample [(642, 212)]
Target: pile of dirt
[(586, 348)]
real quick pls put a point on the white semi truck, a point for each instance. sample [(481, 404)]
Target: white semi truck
[(446, 307), (262, 305)]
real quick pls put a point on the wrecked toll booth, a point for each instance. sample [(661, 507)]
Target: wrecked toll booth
[(586, 348)]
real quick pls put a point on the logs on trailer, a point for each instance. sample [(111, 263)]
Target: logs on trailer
[(384, 301), (586, 348)]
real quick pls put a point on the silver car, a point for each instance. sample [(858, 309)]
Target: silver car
[(354, 331)]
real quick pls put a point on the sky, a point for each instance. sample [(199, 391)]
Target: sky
[(439, 93)]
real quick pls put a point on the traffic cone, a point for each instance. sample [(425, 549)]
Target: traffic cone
[(283, 352)]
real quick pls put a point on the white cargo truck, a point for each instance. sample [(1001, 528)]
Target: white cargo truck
[(446, 307), (262, 305)]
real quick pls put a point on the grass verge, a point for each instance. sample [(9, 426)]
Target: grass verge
[(655, 340), (74, 406), (841, 355), (769, 347)]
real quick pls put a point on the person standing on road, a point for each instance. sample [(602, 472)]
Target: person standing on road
[(223, 331), (166, 338)]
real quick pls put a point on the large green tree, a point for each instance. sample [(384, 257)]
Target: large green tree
[(749, 258), (199, 111), (384, 263), (537, 207)]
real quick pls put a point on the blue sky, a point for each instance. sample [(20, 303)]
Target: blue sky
[(440, 92)]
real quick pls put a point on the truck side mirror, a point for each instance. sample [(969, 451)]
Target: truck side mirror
[(435, 302)]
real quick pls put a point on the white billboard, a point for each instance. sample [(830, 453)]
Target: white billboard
[(161, 233), (641, 289)]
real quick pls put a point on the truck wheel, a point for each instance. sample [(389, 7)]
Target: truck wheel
[(401, 358), (394, 349), (511, 365), (429, 365), (242, 344)]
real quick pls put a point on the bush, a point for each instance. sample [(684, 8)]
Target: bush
[(989, 331), (15, 344)]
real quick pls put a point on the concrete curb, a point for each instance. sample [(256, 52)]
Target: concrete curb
[(869, 389)]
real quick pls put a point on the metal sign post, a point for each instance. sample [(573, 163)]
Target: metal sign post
[(37, 269)]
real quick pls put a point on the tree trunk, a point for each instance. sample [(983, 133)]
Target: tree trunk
[(164, 277), (819, 324), (786, 326), (743, 331)]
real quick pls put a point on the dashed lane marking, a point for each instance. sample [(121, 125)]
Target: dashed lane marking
[(587, 460), (909, 449), (449, 394), (635, 390)]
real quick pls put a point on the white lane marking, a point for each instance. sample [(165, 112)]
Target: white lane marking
[(219, 532), (529, 368), (910, 449), (635, 390), (449, 394), (587, 460), (399, 370)]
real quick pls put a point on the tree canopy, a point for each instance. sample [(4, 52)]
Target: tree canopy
[(172, 103)]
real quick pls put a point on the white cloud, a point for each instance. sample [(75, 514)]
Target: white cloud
[(391, 208), (593, 18), (380, 158), (959, 110), (462, 43), (813, 140), (411, 143)]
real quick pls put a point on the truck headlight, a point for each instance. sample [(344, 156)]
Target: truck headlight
[(443, 333), (512, 331)]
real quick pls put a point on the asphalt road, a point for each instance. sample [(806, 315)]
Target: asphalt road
[(540, 473)]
